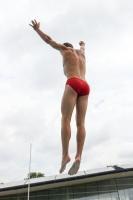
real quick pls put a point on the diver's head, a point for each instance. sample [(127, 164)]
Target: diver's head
[(68, 44)]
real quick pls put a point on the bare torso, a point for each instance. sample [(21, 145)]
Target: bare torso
[(74, 63)]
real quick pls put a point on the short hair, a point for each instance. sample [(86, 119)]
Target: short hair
[(68, 44)]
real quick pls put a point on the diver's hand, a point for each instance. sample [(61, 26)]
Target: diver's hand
[(81, 43), (35, 25)]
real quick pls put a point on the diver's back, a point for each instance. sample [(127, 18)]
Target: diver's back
[(74, 63)]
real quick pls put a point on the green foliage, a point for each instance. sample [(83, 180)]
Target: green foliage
[(36, 175), (39, 174)]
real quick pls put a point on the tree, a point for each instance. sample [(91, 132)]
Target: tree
[(39, 174), (35, 175)]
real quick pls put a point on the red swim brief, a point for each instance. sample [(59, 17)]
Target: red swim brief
[(80, 86)]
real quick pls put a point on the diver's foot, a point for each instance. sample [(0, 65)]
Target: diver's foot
[(64, 163), (75, 167)]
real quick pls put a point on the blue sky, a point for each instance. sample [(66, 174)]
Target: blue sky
[(32, 83)]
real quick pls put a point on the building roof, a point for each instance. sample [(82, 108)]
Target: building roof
[(66, 180)]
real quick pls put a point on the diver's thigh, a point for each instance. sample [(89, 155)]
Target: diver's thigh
[(81, 108), (68, 101)]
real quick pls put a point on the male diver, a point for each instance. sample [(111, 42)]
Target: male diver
[(75, 94)]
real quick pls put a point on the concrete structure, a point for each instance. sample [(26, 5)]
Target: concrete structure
[(110, 183)]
